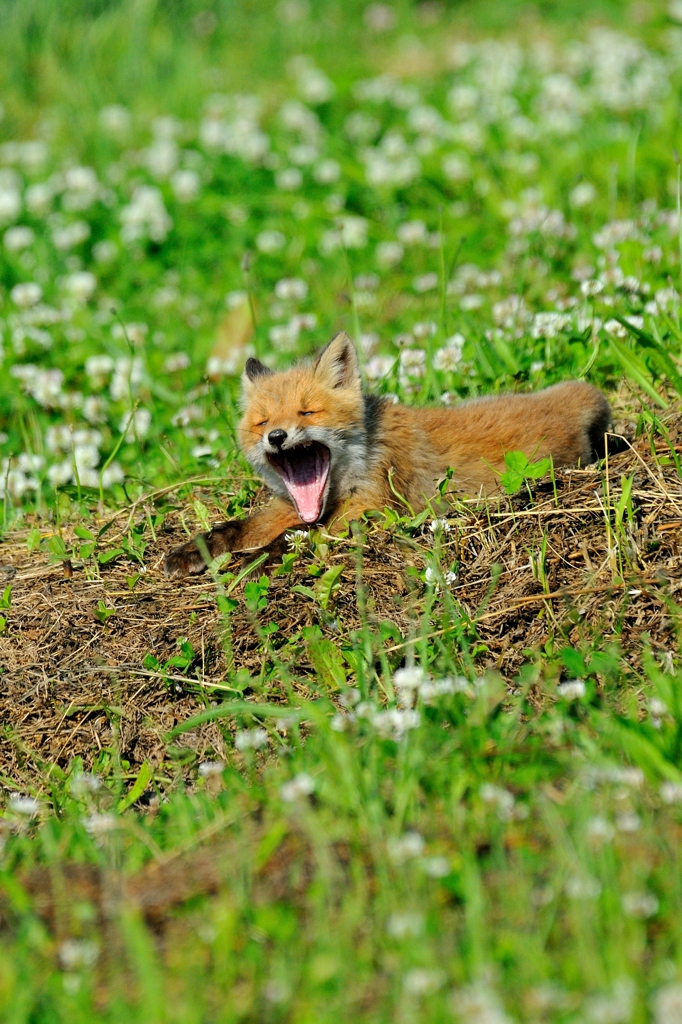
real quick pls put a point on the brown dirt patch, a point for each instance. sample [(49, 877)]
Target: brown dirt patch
[(73, 685)]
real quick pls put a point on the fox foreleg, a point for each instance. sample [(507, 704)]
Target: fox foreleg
[(238, 535)]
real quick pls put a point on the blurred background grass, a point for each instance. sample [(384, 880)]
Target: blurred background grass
[(161, 56)]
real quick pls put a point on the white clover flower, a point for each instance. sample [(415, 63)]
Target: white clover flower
[(176, 361), (78, 954), (270, 241), (657, 707), (383, 168), (186, 184), (479, 1004), (671, 792), (456, 167), (667, 1001), (394, 724), (127, 377), (112, 474), (448, 358), (353, 231), (429, 690), (60, 473), (38, 198), (207, 769), (361, 127), (440, 526), (436, 867), (295, 116), (613, 1008), (251, 739), (425, 282), (289, 179), (296, 540), (105, 251), (400, 925), (26, 294), (463, 99), (620, 776), (583, 887), (378, 367), (25, 806), (379, 17), (314, 86), (161, 158), (615, 328), (99, 824), (145, 217), (291, 288), (284, 336), (615, 233), (84, 784), (71, 235), (10, 197), (548, 325), (115, 119), (409, 678), (500, 798), (82, 188), (217, 367), (86, 456), (388, 254), (405, 847), (95, 409), (327, 172), (81, 285), (413, 361), (18, 238), (303, 154), (137, 425), (413, 232), (639, 904), (572, 689), (99, 366), (58, 437), (301, 785), (628, 822), (422, 982), (599, 830)]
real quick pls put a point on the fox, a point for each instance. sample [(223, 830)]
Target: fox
[(329, 451)]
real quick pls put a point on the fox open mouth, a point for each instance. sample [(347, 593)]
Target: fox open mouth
[(304, 470)]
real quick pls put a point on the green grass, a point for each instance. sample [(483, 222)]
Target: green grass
[(509, 852)]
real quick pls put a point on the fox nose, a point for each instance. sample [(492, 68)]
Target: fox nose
[(277, 437)]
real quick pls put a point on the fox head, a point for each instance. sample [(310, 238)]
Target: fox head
[(303, 429)]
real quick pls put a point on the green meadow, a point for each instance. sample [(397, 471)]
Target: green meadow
[(399, 819)]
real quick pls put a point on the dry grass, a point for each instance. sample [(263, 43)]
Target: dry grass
[(74, 685)]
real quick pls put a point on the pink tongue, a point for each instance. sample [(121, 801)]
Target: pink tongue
[(306, 483), (308, 498)]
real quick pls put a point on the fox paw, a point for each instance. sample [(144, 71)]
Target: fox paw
[(274, 551), (185, 560)]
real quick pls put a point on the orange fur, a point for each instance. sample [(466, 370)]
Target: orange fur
[(378, 448)]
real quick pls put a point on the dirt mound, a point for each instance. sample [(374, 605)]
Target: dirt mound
[(93, 659)]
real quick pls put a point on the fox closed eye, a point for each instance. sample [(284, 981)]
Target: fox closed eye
[(261, 424), (308, 412)]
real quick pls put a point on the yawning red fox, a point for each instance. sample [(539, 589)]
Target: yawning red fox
[(331, 452)]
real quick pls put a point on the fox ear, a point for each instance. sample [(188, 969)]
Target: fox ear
[(254, 368), (338, 363)]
